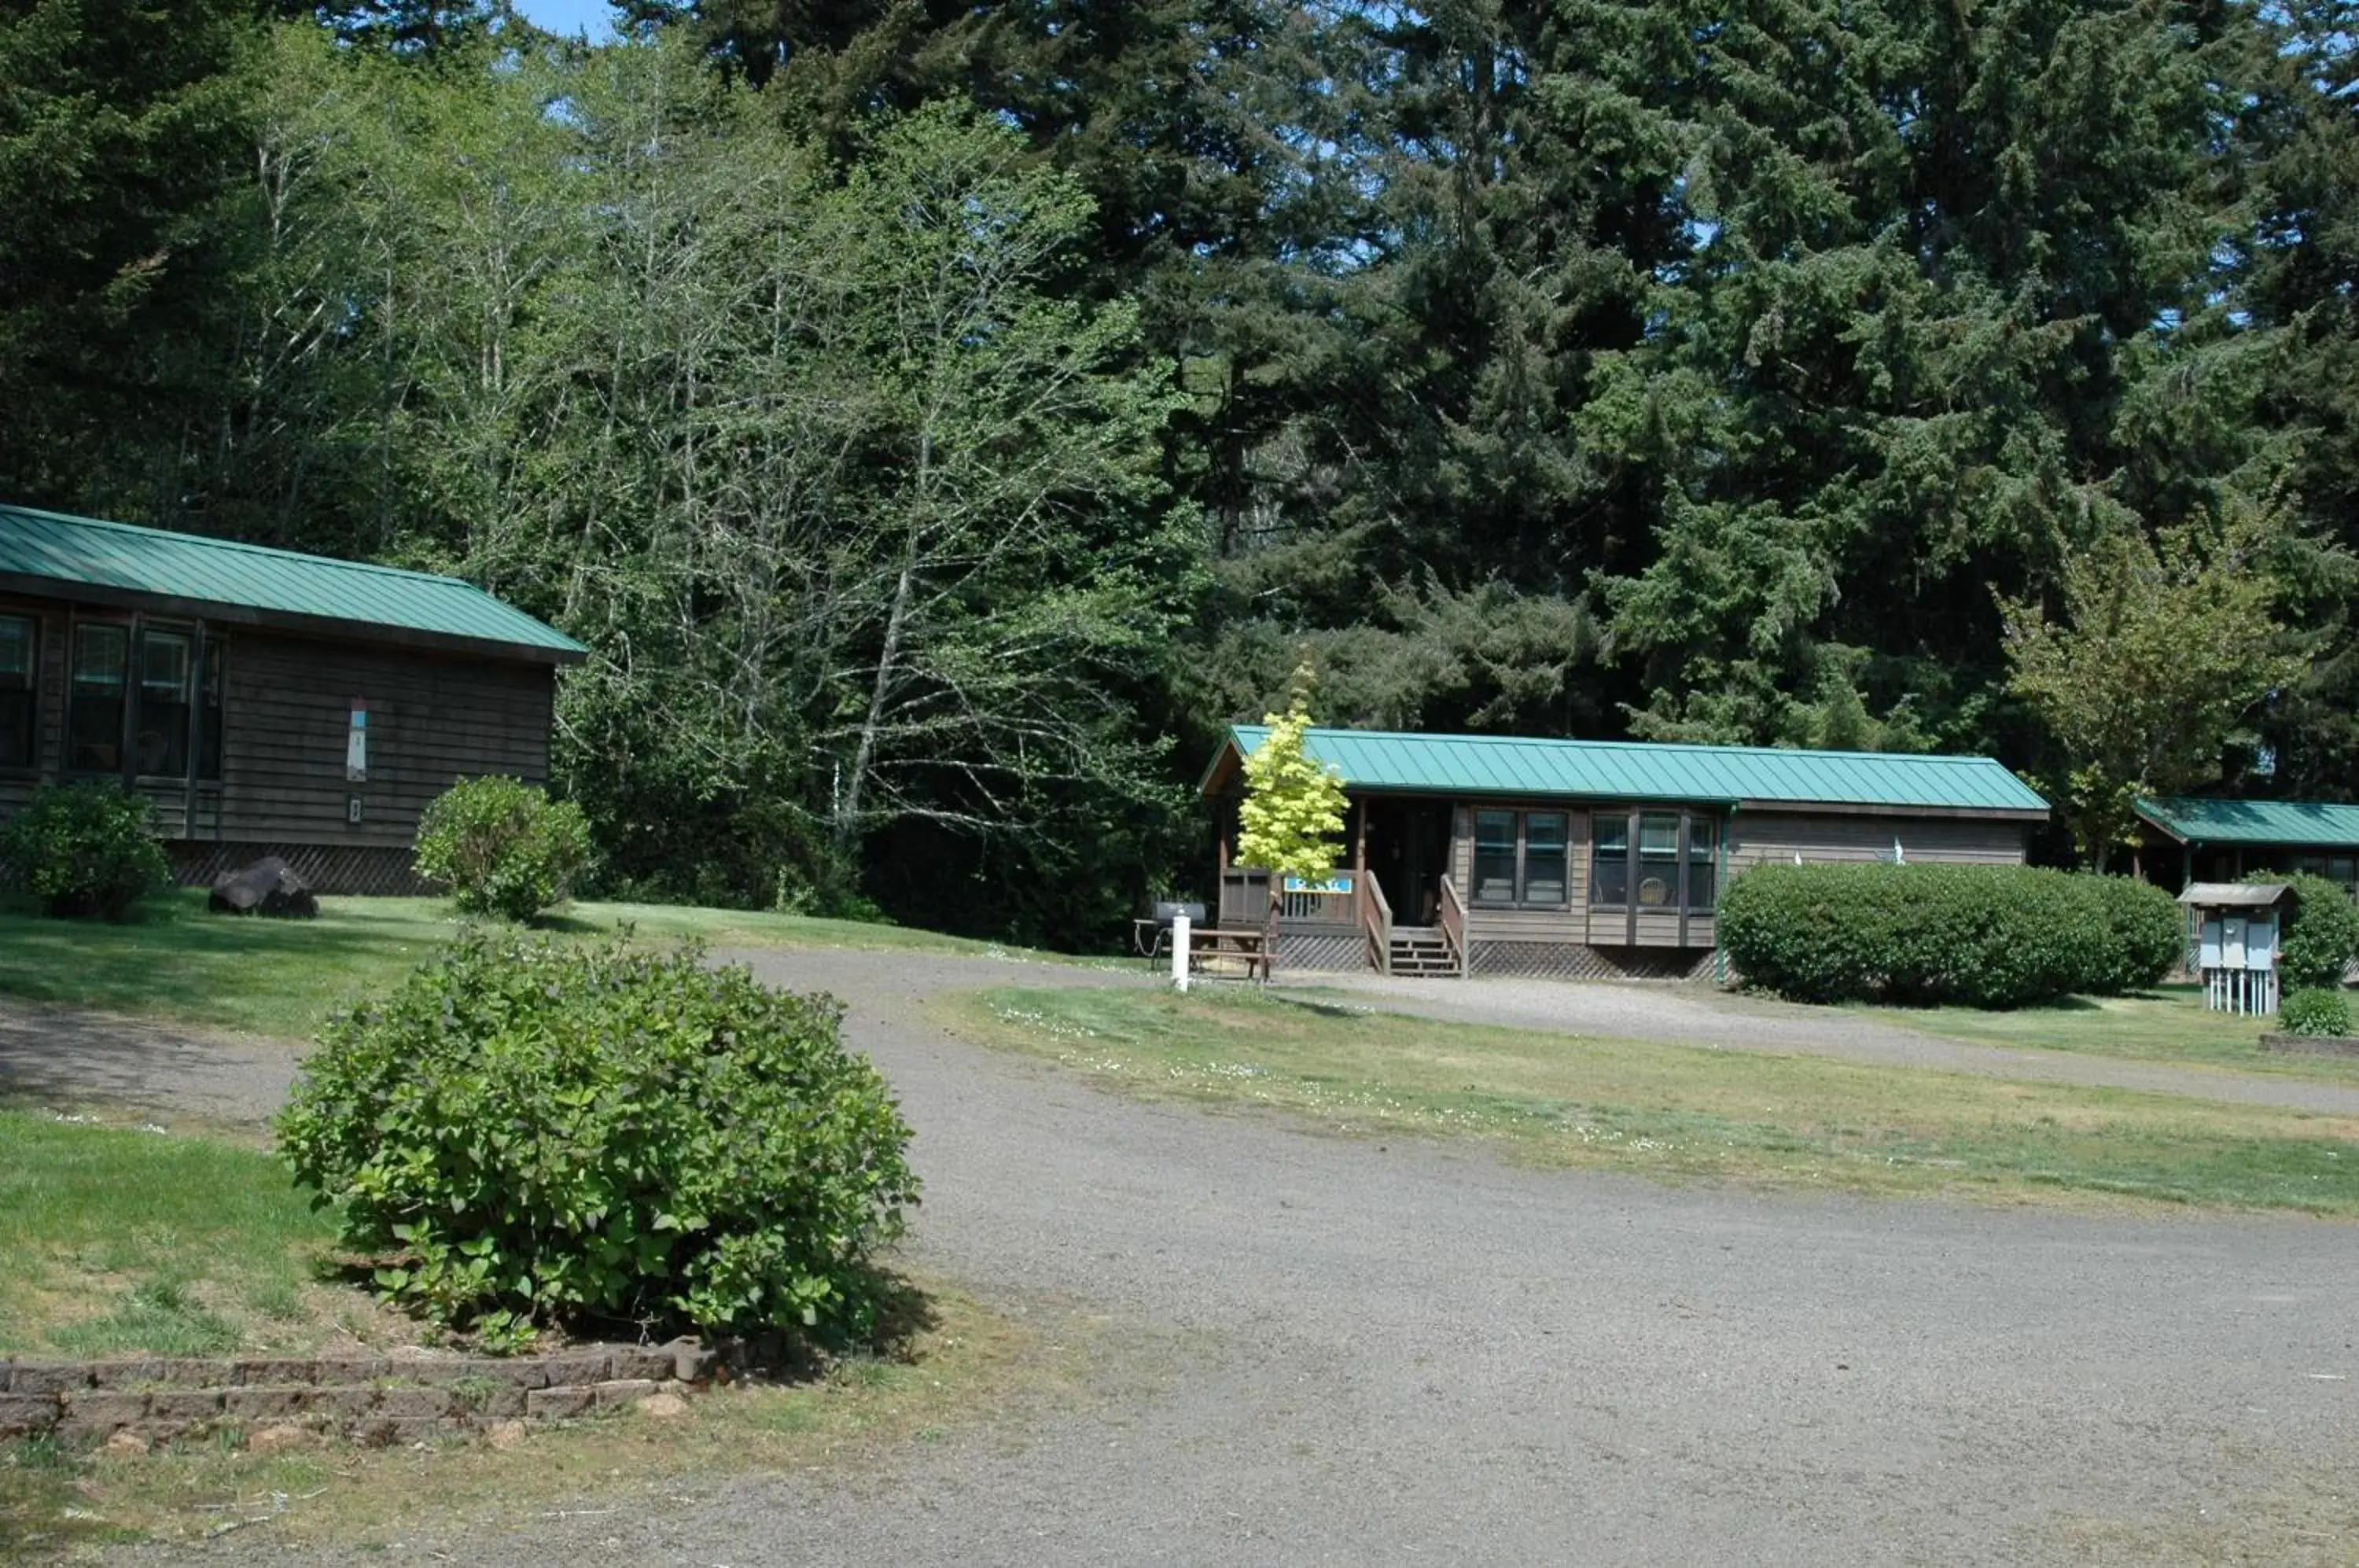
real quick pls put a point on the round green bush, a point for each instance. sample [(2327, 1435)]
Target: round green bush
[(1979, 936), (503, 847), (2145, 934), (527, 1133), (84, 850), (2321, 931), (2314, 1010)]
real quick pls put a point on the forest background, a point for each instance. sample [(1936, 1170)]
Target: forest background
[(940, 419)]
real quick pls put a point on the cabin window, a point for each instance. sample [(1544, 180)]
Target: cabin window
[(1494, 857), (17, 702), (102, 658), (1658, 860), (1520, 857), (1703, 862), (1544, 857), (1608, 868), (159, 745)]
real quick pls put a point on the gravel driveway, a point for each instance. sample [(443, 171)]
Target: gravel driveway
[(1409, 1353)]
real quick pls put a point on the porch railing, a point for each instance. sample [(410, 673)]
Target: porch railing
[(1453, 924), (1244, 901), (1376, 922)]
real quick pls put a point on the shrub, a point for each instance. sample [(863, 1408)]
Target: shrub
[(2314, 1010), (537, 1134), (2321, 932), (1982, 936), (2146, 934), (503, 847), (84, 850)]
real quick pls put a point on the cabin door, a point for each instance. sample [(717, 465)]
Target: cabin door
[(1409, 850)]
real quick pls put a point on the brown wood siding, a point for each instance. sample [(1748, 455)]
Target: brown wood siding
[(1763, 838), (432, 719)]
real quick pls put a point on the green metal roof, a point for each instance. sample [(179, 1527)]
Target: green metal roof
[(1640, 771), (2254, 821), (119, 558)]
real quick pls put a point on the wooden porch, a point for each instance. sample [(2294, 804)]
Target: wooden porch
[(1346, 923)]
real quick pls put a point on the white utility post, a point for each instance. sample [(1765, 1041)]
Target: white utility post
[(1180, 951)]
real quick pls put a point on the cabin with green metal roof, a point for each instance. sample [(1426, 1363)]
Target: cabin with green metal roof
[(2220, 841), (265, 701), (1469, 853)]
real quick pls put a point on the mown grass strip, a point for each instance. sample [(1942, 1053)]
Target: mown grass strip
[(280, 977), (119, 1240), (2167, 1024), (1683, 1112)]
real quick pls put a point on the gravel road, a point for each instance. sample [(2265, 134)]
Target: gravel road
[(1406, 1353)]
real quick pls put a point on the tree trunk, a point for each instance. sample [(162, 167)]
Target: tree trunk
[(1269, 930)]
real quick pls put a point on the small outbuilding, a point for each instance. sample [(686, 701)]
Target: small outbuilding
[(2222, 841), (1492, 855), (265, 701)]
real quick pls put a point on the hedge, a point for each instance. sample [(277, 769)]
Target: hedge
[(1980, 936)]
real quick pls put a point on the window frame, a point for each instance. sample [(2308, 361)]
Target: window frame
[(203, 722), (69, 764), (1521, 880), (31, 766), (1695, 841), (193, 646)]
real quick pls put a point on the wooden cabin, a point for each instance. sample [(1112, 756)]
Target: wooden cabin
[(266, 703), (1488, 854), (2220, 841)]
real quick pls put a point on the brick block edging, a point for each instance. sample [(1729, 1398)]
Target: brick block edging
[(2312, 1044), (372, 1398)]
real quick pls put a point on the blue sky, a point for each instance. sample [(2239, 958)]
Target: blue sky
[(569, 17)]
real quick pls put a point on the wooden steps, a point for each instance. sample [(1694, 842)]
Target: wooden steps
[(1421, 951)]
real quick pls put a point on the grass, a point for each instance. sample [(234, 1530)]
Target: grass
[(1682, 1112), (2167, 1024), (119, 1240), (971, 1360), (279, 977)]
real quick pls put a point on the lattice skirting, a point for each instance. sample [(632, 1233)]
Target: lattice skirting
[(1572, 961), (328, 867), (1326, 954)]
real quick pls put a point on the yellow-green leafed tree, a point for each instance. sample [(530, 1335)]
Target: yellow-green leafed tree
[(1292, 817)]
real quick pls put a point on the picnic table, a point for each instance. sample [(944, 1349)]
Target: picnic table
[(1243, 944)]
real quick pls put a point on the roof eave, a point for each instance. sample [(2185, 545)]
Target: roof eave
[(285, 620)]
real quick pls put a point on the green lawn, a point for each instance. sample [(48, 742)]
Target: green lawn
[(276, 977), (120, 1240), (2167, 1024), (1682, 1112)]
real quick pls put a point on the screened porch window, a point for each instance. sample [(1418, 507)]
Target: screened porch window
[(1609, 867), (1521, 858), (160, 730), (18, 703), (1661, 860), (102, 658)]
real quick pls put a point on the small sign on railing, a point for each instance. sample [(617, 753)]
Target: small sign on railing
[(1338, 886)]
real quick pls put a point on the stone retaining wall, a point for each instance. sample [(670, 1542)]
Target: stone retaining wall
[(372, 1399)]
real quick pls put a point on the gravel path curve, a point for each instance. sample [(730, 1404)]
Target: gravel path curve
[(1692, 1015), (1409, 1353)]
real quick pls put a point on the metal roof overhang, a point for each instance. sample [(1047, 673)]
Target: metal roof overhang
[(284, 620), (1229, 756), (2233, 894)]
